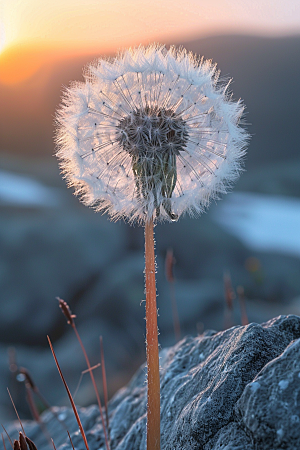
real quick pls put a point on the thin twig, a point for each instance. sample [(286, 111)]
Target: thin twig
[(80, 379)]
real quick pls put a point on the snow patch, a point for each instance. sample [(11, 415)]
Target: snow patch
[(21, 190), (262, 222)]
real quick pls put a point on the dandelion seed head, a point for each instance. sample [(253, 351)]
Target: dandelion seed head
[(150, 134)]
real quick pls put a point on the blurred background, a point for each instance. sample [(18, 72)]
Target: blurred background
[(51, 245)]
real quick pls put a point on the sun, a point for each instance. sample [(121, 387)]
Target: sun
[(2, 37)]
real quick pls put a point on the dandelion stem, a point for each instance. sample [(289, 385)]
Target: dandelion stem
[(153, 392)]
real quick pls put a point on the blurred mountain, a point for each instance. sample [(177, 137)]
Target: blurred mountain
[(265, 74)]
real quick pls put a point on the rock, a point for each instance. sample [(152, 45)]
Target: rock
[(48, 254), (237, 389)]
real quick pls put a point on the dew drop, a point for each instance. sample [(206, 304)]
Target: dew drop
[(21, 377), (62, 416)]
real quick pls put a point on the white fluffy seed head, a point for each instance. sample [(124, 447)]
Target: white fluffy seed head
[(150, 134)]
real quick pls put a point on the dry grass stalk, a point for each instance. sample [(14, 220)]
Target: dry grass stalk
[(70, 396), (69, 316), (33, 409), (16, 412), (8, 437), (229, 296), (3, 441), (105, 392), (71, 440), (242, 302)]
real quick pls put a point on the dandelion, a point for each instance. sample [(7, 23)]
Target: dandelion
[(150, 135)]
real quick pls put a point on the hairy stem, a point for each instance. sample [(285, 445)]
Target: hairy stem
[(153, 392)]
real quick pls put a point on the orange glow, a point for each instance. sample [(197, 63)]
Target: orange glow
[(18, 65), (20, 62), (97, 26)]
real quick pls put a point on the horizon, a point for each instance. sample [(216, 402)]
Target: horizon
[(21, 61), (258, 66)]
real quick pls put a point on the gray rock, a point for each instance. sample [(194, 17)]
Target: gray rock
[(48, 254), (269, 406), (236, 390)]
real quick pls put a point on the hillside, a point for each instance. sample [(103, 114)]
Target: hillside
[(265, 73)]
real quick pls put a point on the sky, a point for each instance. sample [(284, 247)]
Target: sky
[(107, 24), (33, 32)]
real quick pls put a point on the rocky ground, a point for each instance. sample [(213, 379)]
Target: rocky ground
[(236, 390)]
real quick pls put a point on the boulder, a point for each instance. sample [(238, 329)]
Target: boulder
[(237, 389)]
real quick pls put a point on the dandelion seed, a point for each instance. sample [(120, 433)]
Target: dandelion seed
[(150, 134)]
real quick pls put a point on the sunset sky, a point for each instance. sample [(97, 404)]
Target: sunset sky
[(111, 23), (34, 30)]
